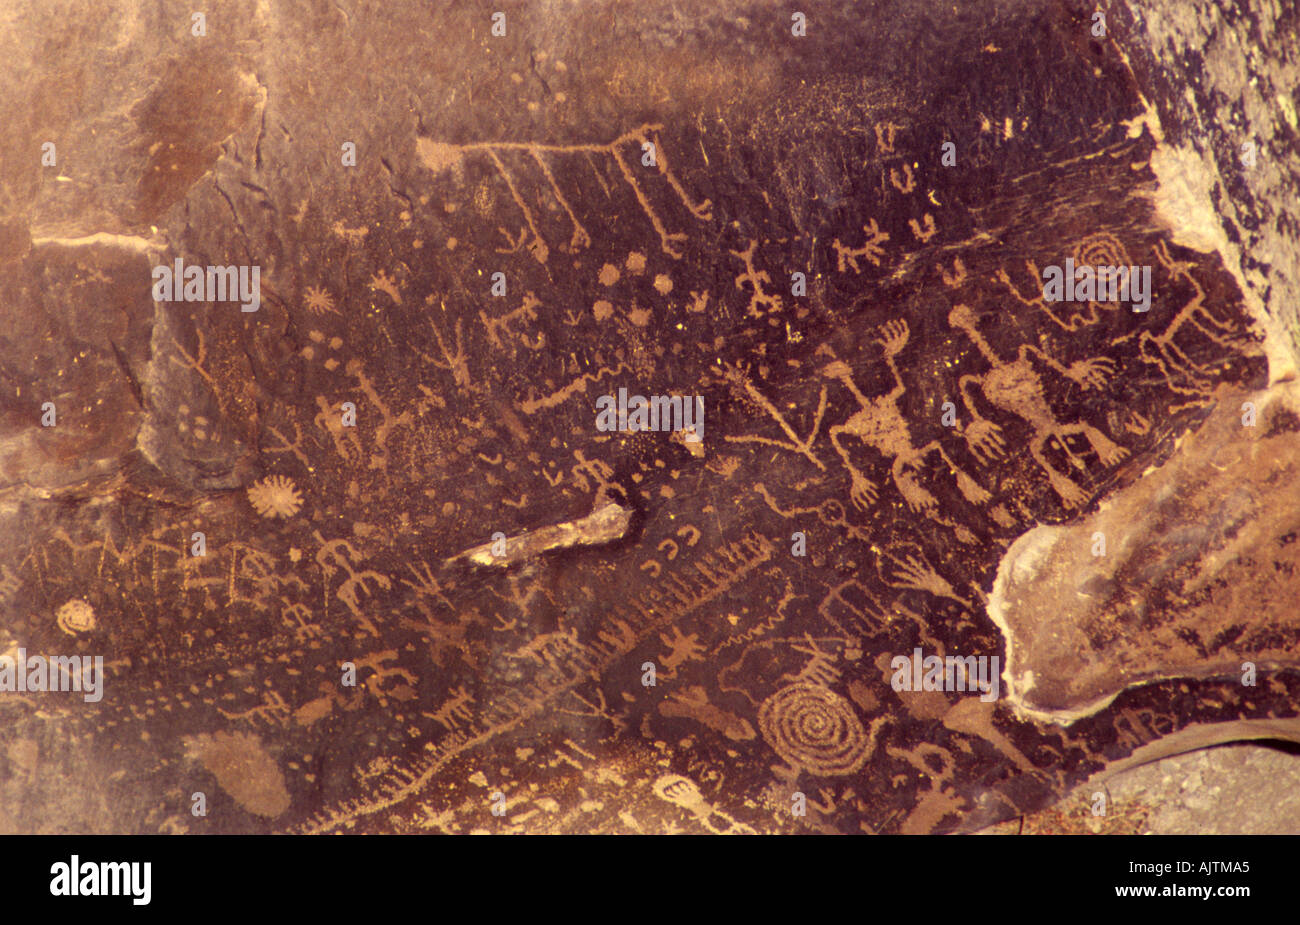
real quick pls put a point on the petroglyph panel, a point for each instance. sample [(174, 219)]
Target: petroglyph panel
[(362, 561)]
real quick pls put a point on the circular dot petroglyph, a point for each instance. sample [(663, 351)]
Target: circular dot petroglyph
[(815, 729)]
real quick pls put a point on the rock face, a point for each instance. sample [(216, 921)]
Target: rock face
[(279, 527)]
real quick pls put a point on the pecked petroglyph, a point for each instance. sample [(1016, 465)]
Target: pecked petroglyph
[(441, 157), (393, 464)]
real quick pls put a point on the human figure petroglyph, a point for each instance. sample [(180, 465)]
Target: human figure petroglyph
[(599, 470), (1017, 387), (682, 648), (880, 424), (759, 300), (297, 617), (340, 554), (388, 422), (683, 792)]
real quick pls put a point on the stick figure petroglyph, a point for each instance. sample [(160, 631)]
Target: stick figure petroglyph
[(881, 425), (759, 298), (1017, 387)]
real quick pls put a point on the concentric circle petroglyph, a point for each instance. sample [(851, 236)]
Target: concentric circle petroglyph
[(1100, 250)]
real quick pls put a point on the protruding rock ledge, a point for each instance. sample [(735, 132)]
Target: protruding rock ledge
[(1191, 572)]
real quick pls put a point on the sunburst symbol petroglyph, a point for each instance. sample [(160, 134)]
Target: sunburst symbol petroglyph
[(275, 496), (76, 616), (319, 301)]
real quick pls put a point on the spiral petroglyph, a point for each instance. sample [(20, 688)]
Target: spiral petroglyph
[(815, 729), (76, 616)]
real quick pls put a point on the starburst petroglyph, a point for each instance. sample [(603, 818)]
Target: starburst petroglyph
[(319, 301), (275, 496)]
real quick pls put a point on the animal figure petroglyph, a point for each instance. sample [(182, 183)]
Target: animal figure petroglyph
[(846, 257), (1183, 375), (441, 156)]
